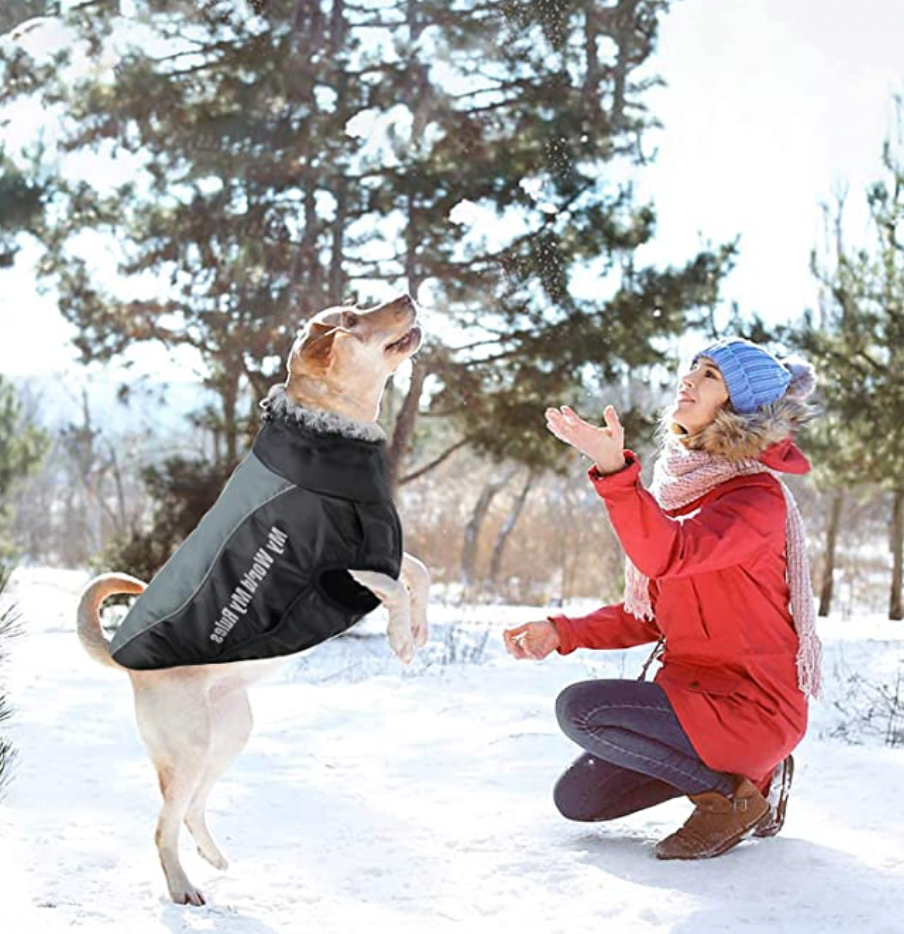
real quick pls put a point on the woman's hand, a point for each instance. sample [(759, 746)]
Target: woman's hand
[(532, 640), (604, 446)]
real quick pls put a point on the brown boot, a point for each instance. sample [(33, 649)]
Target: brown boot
[(717, 824)]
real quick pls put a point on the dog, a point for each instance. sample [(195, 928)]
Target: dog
[(194, 715)]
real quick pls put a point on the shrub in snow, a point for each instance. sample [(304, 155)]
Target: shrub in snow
[(8, 630), (869, 708), (462, 645)]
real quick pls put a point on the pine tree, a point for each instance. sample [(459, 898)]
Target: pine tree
[(9, 628), (857, 342), (21, 190), (21, 448), (544, 116), (223, 236), (21, 204), (285, 161), (254, 206)]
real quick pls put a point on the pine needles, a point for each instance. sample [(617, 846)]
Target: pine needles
[(9, 629)]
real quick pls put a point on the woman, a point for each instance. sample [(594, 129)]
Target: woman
[(716, 565)]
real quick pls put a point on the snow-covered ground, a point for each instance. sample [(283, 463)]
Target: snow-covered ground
[(377, 798)]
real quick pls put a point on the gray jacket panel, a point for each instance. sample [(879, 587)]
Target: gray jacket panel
[(173, 586)]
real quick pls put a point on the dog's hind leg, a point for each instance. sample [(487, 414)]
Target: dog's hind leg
[(175, 725), (231, 723)]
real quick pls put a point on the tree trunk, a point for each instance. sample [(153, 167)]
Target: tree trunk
[(472, 529), (338, 27), (508, 527), (405, 422), (337, 277), (308, 23), (338, 280), (567, 566), (895, 606), (623, 19), (828, 568), (591, 89), (403, 430), (229, 396)]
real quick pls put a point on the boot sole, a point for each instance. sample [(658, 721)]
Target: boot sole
[(771, 825)]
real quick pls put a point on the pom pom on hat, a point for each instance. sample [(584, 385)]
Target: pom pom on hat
[(753, 376), (803, 377)]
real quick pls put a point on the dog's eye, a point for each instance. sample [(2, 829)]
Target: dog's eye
[(349, 319)]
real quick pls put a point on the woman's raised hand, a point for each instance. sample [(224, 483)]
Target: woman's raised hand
[(532, 640), (604, 446)]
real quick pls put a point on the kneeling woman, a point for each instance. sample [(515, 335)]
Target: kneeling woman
[(717, 568)]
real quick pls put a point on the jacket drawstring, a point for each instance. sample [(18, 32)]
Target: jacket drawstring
[(656, 654)]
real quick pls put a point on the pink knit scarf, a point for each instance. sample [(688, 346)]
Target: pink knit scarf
[(681, 477)]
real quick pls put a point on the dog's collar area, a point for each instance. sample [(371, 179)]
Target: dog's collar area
[(328, 463), (278, 406)]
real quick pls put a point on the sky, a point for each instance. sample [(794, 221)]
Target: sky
[(770, 107)]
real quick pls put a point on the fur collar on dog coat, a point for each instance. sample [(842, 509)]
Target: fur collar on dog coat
[(265, 571)]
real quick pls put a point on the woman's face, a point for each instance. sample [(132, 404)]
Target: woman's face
[(701, 392)]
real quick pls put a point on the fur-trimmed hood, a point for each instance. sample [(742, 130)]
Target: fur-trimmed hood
[(765, 434)]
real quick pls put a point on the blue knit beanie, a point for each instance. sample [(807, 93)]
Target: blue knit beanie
[(753, 376)]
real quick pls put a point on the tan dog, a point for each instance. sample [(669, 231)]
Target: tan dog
[(196, 719)]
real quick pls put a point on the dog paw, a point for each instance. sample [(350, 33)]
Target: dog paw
[(188, 895), (403, 646), (181, 890), (215, 858)]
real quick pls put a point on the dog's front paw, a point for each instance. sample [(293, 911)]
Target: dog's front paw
[(401, 642), (214, 857)]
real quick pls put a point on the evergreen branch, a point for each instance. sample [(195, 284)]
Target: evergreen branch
[(8, 757), (10, 620), (10, 628)]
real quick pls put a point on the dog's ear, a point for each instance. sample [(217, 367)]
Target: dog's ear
[(312, 350)]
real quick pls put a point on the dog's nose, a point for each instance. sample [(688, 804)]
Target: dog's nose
[(403, 305)]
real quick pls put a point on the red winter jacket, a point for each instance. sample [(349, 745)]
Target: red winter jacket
[(719, 596)]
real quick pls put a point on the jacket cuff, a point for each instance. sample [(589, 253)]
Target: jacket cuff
[(567, 643), (613, 483)]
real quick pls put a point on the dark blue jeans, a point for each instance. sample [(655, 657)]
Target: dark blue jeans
[(637, 754)]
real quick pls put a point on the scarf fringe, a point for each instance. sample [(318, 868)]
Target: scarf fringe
[(681, 477), (637, 592)]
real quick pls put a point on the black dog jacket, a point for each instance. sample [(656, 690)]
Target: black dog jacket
[(265, 573)]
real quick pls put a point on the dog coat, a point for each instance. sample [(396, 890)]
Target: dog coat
[(265, 573)]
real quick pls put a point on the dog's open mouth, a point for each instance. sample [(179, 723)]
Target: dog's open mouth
[(406, 342)]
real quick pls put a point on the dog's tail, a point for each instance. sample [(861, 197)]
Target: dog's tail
[(89, 628)]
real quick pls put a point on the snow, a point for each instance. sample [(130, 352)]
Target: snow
[(466, 213), (372, 797)]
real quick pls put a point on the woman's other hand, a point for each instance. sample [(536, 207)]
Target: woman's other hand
[(532, 640), (604, 446)]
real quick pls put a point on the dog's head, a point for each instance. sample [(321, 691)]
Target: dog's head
[(352, 351)]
